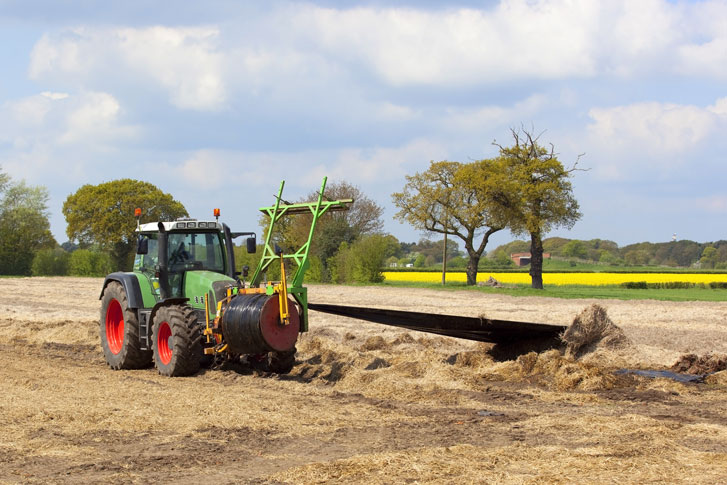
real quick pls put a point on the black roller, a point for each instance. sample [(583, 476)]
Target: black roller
[(251, 325)]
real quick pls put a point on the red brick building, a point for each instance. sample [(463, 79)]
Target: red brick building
[(523, 259)]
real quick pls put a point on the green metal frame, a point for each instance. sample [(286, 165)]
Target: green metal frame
[(300, 257)]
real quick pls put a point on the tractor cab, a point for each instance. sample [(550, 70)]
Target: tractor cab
[(167, 251)]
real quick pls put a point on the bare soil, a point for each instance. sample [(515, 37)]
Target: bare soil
[(365, 403)]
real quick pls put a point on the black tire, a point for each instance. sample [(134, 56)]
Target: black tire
[(281, 362), (119, 330), (177, 341)]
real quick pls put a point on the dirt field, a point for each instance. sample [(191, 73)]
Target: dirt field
[(364, 403)]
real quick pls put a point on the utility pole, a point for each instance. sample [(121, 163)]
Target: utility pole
[(444, 256), (444, 260)]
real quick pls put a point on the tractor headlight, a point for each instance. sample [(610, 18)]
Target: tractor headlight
[(180, 225)]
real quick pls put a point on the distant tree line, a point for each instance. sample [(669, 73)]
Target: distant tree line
[(685, 253), (349, 246)]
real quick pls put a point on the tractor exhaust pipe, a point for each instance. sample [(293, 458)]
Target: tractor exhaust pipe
[(164, 289)]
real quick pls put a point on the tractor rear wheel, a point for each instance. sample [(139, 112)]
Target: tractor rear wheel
[(281, 362), (177, 341), (119, 329)]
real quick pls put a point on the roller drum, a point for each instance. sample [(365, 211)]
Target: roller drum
[(251, 325)]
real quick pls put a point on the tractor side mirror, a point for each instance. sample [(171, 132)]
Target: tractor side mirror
[(142, 246), (251, 245)]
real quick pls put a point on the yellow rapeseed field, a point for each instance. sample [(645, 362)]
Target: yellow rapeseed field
[(590, 279)]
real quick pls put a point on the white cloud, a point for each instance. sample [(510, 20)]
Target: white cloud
[(184, 61), (704, 53), (214, 168), (407, 46), (518, 39), (381, 164), (94, 119), (54, 96), (298, 53), (50, 132), (658, 127), (481, 119), (649, 135)]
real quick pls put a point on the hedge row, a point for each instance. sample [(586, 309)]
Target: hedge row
[(673, 285)]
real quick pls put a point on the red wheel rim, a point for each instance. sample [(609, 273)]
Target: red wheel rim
[(114, 326), (165, 351)]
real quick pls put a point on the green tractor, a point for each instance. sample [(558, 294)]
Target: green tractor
[(184, 303)]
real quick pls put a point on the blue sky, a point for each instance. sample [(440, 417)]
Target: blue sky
[(216, 102)]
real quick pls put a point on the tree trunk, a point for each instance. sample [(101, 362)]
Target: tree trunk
[(472, 265), (122, 256), (536, 260)]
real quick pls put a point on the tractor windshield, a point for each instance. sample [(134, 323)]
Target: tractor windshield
[(188, 251)]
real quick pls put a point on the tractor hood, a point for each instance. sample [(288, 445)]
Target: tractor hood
[(199, 283)]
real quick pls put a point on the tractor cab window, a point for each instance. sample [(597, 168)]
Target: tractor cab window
[(190, 251), (147, 262)]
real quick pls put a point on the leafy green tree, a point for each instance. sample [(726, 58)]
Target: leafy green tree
[(87, 262), (24, 225), (362, 261), (104, 215), (458, 199), (50, 262), (575, 249), (637, 257), (538, 192), (4, 180), (340, 265), (607, 257), (435, 249), (709, 258), (370, 252), (457, 262), (315, 271)]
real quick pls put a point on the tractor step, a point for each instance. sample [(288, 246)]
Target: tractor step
[(145, 329)]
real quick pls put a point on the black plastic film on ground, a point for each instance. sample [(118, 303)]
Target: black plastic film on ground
[(471, 328)]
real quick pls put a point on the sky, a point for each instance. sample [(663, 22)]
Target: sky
[(216, 102)]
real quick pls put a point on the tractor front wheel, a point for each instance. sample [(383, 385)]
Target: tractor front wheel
[(119, 329), (177, 341)]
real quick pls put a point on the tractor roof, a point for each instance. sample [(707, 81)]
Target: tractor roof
[(181, 225)]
